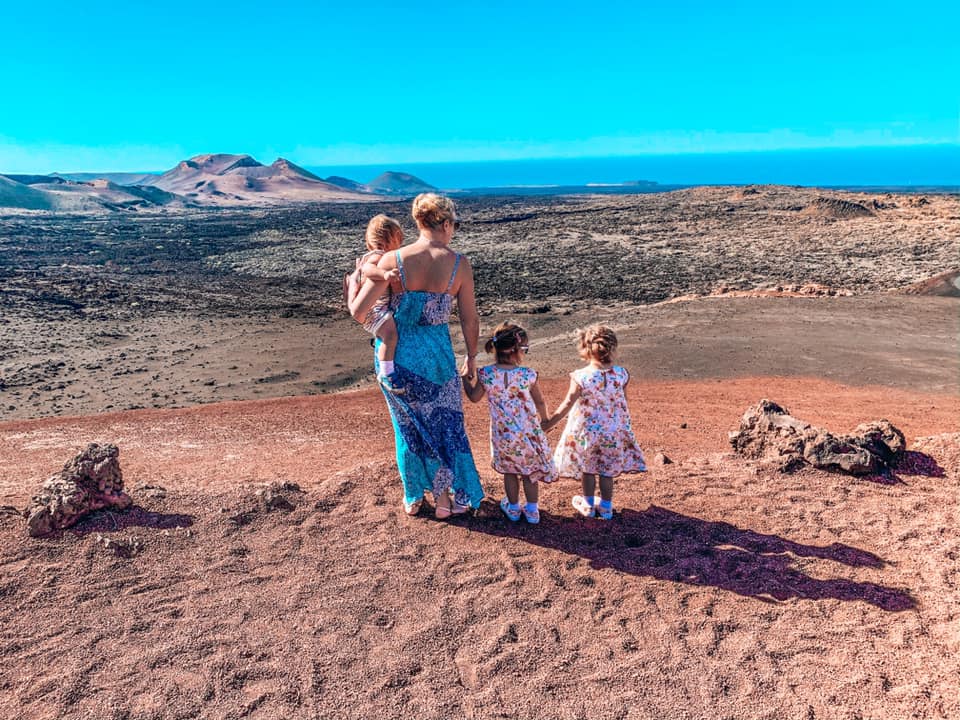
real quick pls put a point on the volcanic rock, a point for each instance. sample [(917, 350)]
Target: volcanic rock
[(769, 433), (90, 481)]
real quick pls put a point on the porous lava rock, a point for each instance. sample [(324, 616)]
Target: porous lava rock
[(90, 481), (770, 434)]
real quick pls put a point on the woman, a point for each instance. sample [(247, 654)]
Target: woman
[(433, 453)]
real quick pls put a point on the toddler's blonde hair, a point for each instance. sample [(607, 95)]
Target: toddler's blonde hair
[(597, 342), (431, 210), (383, 233)]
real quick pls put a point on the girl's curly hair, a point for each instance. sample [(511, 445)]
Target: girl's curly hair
[(597, 342)]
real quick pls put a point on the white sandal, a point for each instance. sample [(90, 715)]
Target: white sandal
[(581, 505), (512, 515)]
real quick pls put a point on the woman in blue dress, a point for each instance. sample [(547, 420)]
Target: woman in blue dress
[(426, 407)]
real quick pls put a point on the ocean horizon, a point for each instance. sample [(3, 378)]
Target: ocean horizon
[(920, 166)]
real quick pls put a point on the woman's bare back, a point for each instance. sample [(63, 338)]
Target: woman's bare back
[(428, 268)]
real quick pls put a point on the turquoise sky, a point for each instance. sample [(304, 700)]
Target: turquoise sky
[(138, 86)]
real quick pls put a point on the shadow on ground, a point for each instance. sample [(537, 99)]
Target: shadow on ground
[(135, 516), (660, 543)]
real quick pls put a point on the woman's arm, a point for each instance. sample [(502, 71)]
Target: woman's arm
[(573, 394), (365, 298), (471, 384), (469, 319)]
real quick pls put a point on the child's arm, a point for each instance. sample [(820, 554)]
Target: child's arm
[(573, 394), (471, 384), (374, 272), (538, 401)]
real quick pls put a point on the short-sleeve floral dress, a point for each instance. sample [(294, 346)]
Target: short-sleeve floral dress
[(517, 443), (598, 438)]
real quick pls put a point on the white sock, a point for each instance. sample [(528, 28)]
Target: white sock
[(386, 368)]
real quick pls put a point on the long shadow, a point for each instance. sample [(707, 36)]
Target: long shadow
[(134, 516), (663, 544)]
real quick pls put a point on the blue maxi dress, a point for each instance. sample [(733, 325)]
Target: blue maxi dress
[(433, 452)]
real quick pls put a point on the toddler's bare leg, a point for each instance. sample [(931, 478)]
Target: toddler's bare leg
[(531, 490), (589, 486), (606, 488), (388, 340), (511, 486)]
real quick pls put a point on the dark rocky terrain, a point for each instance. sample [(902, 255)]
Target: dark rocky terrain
[(96, 300)]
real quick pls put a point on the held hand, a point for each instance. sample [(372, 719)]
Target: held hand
[(465, 370), (470, 362), (391, 275)]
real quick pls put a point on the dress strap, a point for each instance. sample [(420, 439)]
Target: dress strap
[(453, 275), (403, 275)]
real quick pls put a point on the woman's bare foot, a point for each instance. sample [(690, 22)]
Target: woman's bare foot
[(447, 506)]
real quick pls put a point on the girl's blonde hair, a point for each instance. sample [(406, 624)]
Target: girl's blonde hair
[(597, 342), (431, 210), (505, 340), (383, 233)]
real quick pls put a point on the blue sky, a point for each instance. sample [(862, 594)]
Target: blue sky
[(138, 86)]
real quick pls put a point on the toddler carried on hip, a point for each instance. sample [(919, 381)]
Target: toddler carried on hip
[(383, 235)]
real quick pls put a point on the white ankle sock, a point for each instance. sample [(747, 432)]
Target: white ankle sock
[(386, 368)]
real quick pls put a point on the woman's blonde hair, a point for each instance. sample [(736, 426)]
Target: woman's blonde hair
[(383, 233), (597, 342), (505, 340), (431, 210)]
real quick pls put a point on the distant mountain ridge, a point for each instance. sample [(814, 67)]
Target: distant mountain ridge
[(211, 180)]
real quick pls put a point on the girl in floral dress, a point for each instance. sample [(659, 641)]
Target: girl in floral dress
[(518, 444), (598, 438)]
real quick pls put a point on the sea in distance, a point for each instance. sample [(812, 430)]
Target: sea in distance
[(902, 168)]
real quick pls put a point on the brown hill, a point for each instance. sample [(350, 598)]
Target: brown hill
[(398, 183), (45, 192), (224, 179), (120, 178), (23, 197), (836, 209)]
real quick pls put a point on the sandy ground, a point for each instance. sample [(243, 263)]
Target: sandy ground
[(176, 361), (718, 592)]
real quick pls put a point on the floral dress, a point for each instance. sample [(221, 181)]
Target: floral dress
[(433, 452), (598, 438), (517, 443)]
